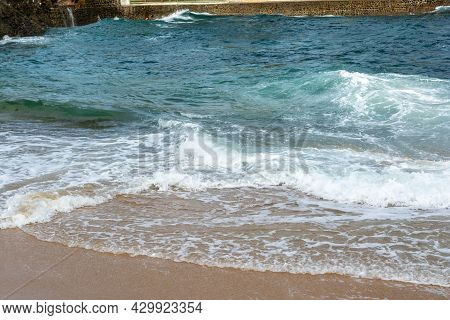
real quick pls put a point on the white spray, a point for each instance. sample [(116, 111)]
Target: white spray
[(71, 18)]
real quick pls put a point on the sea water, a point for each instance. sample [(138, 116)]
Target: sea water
[(294, 144)]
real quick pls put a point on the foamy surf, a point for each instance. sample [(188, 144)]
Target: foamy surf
[(328, 16), (183, 16), (38, 207), (402, 183), (402, 95), (207, 162), (442, 9), (23, 40), (178, 16), (266, 230), (202, 13), (316, 16)]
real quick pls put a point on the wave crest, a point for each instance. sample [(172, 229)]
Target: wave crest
[(391, 94), (184, 16), (23, 40), (62, 112), (442, 9)]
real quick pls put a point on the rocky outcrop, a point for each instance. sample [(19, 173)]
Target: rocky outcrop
[(25, 17), (89, 11)]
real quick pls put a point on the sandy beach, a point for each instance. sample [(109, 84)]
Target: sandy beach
[(33, 269)]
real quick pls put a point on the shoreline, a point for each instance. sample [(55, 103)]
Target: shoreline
[(35, 269)]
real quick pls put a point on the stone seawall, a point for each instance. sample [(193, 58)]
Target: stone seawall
[(91, 10), (290, 8)]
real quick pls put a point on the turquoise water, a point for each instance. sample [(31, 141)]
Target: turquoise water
[(276, 143)]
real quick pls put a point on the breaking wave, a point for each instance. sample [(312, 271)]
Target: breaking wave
[(184, 16), (195, 160), (442, 9), (23, 40)]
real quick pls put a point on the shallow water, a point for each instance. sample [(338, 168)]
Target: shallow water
[(270, 143)]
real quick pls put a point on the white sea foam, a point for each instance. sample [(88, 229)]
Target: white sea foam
[(317, 16), (40, 207), (156, 38), (441, 9), (267, 229), (164, 124), (343, 178), (328, 16), (201, 13), (399, 97), (6, 38), (23, 40), (183, 16), (339, 175), (241, 254), (393, 187), (179, 16)]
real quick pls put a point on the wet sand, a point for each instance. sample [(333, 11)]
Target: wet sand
[(34, 269)]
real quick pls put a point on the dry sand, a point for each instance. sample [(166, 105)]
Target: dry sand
[(34, 269)]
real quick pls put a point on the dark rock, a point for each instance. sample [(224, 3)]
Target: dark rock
[(24, 17)]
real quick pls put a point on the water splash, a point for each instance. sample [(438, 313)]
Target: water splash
[(71, 18), (442, 9), (23, 40), (184, 16)]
